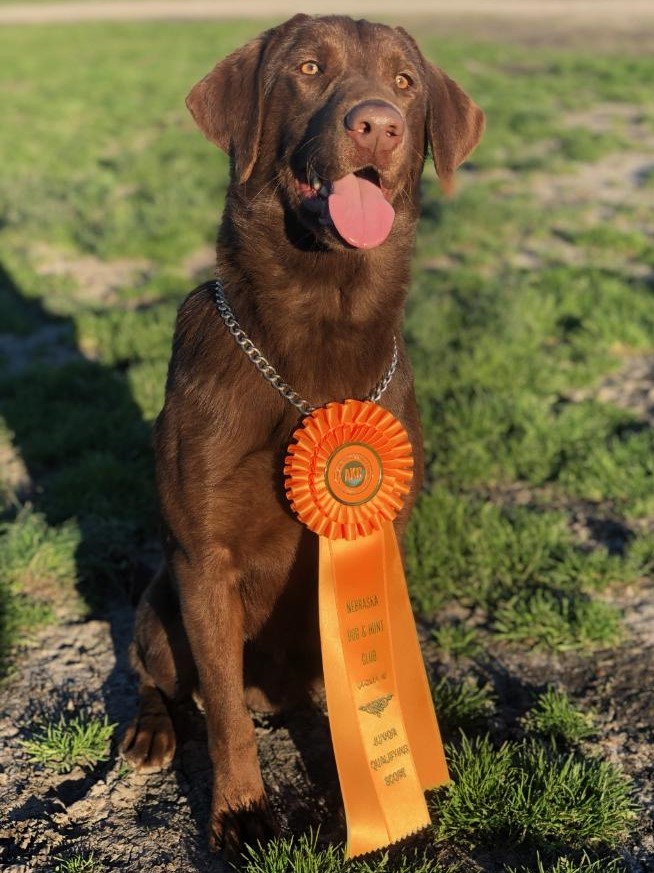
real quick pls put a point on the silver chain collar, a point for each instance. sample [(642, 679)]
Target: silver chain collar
[(266, 368)]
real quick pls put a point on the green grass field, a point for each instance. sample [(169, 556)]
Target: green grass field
[(530, 288)]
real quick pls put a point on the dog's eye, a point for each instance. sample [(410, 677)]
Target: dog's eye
[(403, 81), (310, 68)]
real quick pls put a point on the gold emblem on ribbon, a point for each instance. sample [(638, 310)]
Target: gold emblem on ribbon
[(347, 473)]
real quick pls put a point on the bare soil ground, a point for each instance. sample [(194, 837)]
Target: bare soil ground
[(157, 821), (627, 15), (132, 821)]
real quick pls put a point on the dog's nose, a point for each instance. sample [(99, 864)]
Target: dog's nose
[(375, 126)]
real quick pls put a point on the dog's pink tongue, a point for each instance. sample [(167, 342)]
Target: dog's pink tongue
[(359, 211)]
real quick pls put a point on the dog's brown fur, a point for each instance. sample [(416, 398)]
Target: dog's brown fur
[(233, 618)]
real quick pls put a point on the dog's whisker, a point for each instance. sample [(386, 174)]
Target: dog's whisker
[(263, 188)]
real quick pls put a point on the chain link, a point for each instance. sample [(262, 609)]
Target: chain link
[(267, 370)]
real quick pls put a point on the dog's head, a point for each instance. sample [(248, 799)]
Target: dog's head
[(336, 116)]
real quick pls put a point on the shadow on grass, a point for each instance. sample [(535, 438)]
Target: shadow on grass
[(86, 448)]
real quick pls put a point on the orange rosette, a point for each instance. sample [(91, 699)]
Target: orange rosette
[(349, 469), (347, 473)]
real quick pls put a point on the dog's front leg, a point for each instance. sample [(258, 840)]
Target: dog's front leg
[(214, 618)]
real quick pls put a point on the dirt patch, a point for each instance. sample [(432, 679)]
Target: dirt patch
[(15, 482), (200, 264), (620, 694), (50, 345), (612, 189), (631, 387), (616, 179), (604, 117), (129, 820), (538, 22), (94, 281), (630, 14), (158, 821), (613, 180)]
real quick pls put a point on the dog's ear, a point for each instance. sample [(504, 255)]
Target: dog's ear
[(227, 104), (454, 124)]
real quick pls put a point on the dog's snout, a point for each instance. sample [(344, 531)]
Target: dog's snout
[(375, 126)]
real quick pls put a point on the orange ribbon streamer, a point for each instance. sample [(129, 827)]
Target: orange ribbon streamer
[(347, 474)]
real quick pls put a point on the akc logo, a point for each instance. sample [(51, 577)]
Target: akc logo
[(353, 473)]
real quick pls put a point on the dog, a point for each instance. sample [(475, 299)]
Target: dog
[(327, 122)]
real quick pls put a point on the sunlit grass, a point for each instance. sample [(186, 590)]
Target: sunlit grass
[(528, 793), (555, 716), (80, 741)]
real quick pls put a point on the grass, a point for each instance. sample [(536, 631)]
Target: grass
[(457, 640), (547, 619), (78, 863), (37, 567), (518, 309), (522, 565), (522, 794), (465, 705), (303, 855), (529, 793), (584, 864), (68, 743), (554, 716), (19, 614), (500, 413), (32, 550)]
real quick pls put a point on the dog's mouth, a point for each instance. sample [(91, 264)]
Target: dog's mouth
[(356, 205)]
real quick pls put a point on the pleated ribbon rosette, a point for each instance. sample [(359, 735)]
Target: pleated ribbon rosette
[(347, 473)]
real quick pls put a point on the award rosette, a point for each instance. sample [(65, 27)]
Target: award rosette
[(347, 473)]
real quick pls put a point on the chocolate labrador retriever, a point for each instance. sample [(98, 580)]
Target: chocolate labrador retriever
[(327, 122)]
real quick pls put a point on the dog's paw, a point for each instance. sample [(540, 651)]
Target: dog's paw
[(149, 742), (245, 824)]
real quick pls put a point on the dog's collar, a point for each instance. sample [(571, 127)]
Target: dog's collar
[(266, 368)]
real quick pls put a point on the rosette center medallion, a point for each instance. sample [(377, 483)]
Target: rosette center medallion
[(353, 473), (349, 469)]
